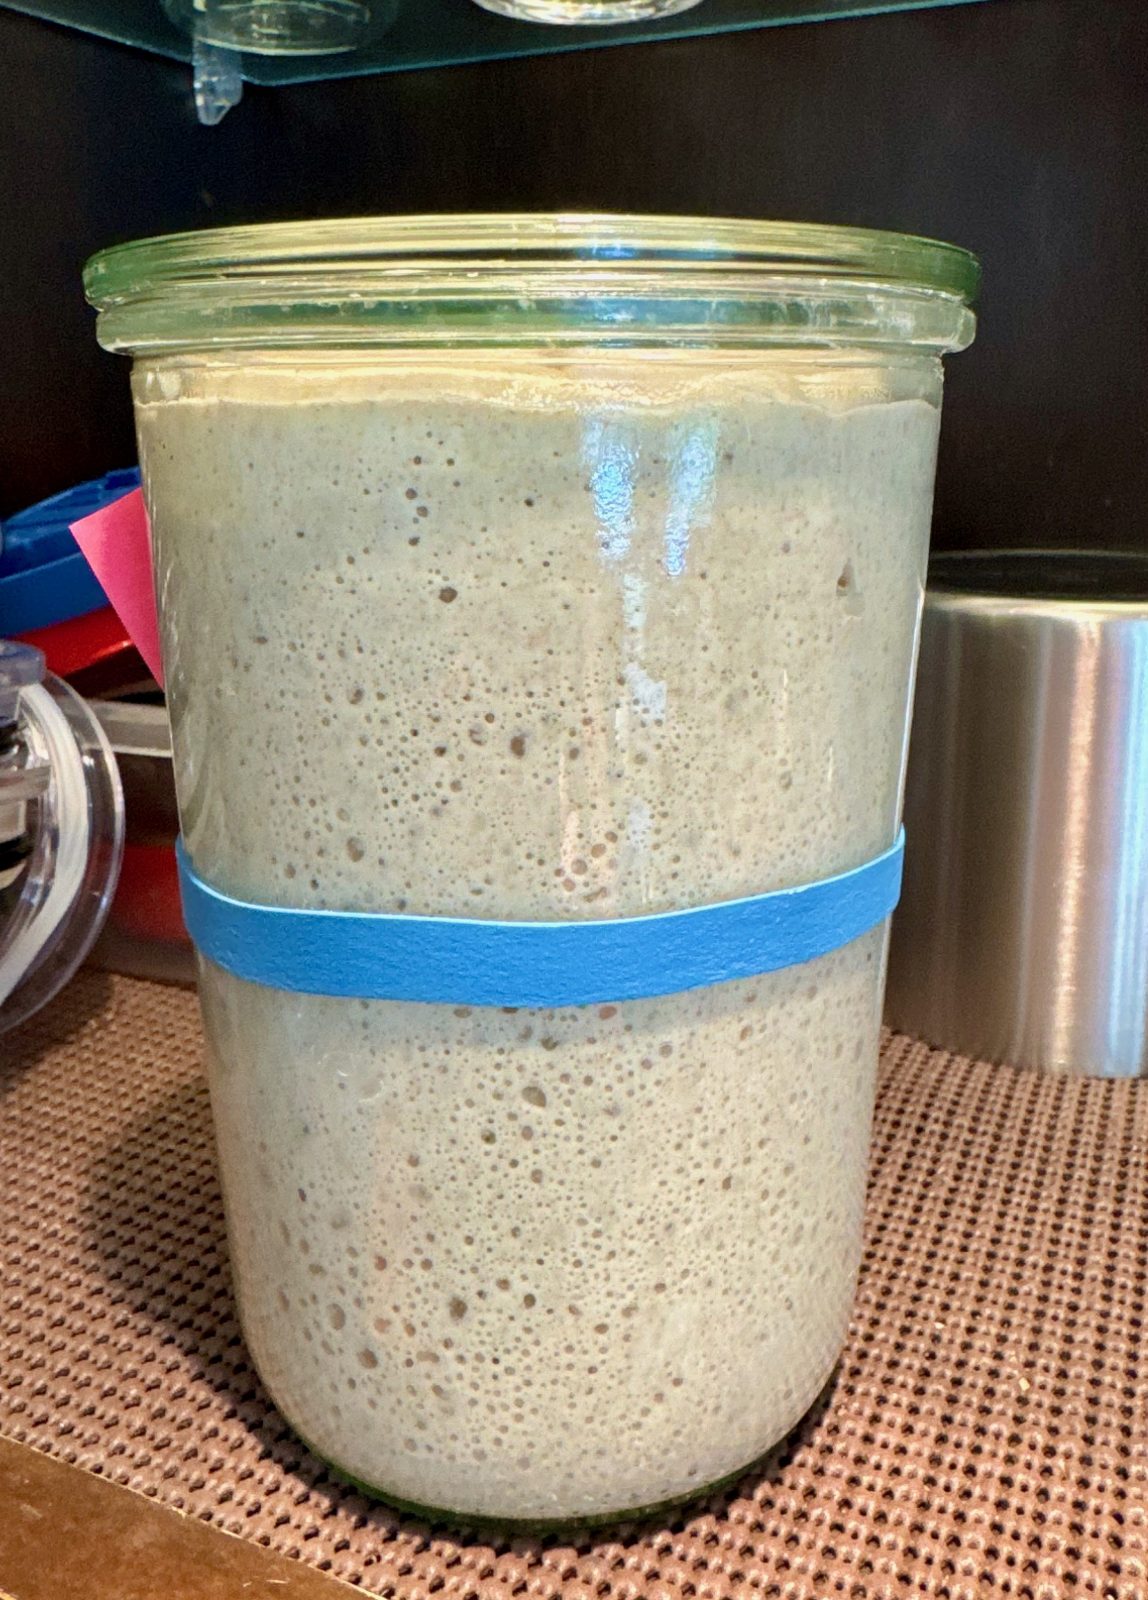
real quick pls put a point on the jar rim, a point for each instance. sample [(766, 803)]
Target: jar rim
[(515, 277)]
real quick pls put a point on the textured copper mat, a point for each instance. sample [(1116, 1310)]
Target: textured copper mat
[(987, 1432)]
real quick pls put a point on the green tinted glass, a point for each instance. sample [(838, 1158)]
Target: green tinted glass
[(522, 278)]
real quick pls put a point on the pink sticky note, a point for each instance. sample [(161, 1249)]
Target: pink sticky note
[(117, 543)]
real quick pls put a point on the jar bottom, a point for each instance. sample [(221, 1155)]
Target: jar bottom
[(467, 1521), (586, 12)]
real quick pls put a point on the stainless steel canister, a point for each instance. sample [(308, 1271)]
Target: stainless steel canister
[(1022, 933)]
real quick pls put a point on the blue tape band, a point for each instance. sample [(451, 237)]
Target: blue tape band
[(457, 961)]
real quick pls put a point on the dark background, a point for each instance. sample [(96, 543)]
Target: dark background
[(1016, 127)]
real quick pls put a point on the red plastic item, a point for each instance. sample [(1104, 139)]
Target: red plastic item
[(147, 904), (83, 642)]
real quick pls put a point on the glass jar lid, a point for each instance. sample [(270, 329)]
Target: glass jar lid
[(532, 279)]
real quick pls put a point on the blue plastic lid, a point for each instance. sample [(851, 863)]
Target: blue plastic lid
[(44, 578)]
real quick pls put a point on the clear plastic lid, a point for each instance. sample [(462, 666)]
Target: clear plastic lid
[(61, 832), (531, 279)]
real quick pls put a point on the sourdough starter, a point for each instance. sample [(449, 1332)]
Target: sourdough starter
[(524, 636)]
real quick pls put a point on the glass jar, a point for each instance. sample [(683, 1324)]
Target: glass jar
[(587, 12), (540, 570), (281, 27)]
